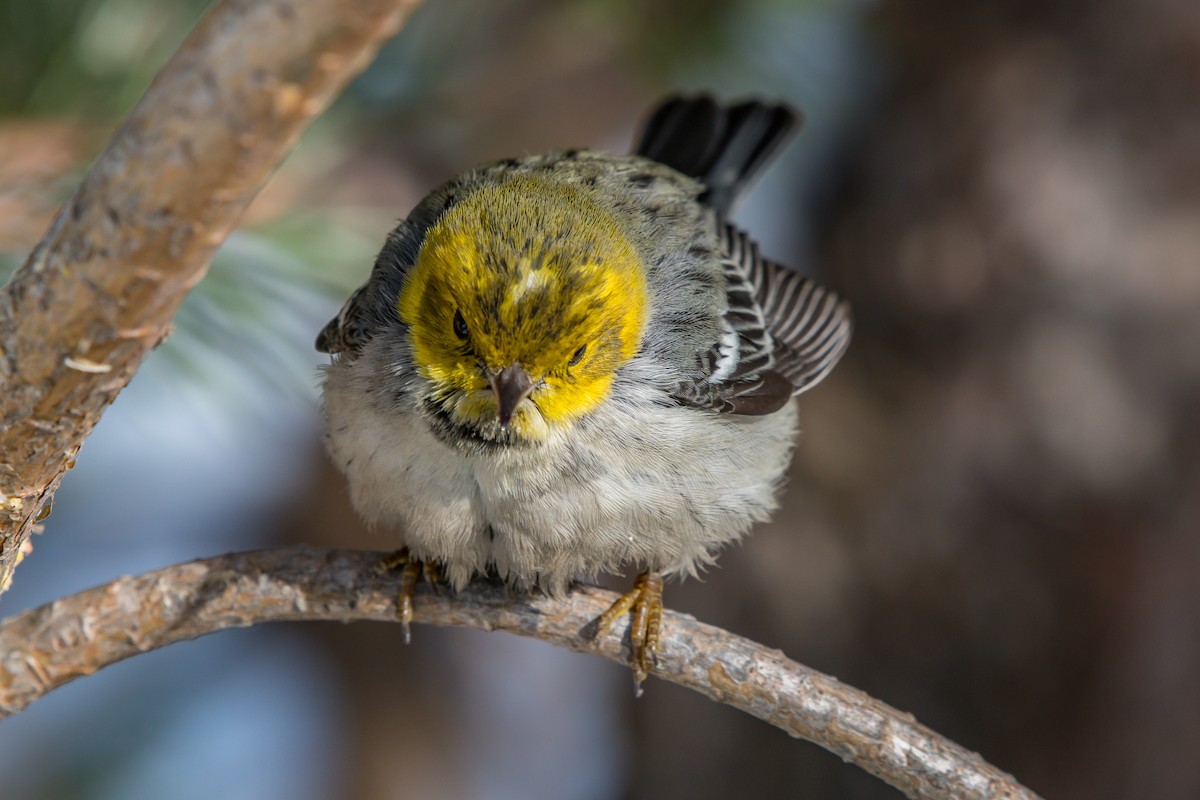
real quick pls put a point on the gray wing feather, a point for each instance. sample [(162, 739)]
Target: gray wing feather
[(348, 331), (789, 333), (810, 325), (373, 305)]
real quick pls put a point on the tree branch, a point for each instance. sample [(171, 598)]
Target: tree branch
[(99, 291), (47, 647)]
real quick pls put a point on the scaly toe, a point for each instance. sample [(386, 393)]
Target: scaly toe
[(412, 570), (644, 600), (392, 561)]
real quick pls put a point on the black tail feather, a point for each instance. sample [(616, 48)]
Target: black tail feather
[(725, 147)]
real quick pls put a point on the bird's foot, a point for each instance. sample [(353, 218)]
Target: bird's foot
[(411, 571), (645, 602)]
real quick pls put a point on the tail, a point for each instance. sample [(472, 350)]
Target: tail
[(725, 147)]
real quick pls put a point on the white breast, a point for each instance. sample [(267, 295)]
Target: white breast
[(633, 484)]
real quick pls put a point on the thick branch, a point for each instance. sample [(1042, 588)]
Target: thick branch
[(52, 645), (99, 291)]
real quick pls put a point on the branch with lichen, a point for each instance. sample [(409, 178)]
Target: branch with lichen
[(100, 289), (49, 646)]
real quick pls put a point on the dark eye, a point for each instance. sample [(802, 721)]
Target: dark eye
[(575, 359), (460, 326)]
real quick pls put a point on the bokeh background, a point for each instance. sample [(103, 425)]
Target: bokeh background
[(994, 517)]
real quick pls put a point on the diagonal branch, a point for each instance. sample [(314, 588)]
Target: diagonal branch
[(99, 291), (47, 647)]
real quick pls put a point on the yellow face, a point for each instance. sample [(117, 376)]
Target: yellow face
[(531, 273)]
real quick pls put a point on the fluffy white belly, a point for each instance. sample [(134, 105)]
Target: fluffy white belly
[(658, 488)]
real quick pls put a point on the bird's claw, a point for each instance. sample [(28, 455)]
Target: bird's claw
[(645, 602), (412, 570)]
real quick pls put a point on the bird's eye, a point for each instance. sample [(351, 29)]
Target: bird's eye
[(578, 356), (460, 326)]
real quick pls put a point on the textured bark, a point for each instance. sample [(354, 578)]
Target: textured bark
[(49, 646), (99, 291)]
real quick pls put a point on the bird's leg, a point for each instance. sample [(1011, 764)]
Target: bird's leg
[(644, 600), (411, 571)]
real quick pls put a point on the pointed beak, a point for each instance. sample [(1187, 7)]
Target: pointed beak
[(511, 385)]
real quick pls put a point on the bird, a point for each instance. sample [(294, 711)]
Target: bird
[(573, 363)]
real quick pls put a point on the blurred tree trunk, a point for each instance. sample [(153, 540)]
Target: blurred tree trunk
[(101, 288), (1009, 459)]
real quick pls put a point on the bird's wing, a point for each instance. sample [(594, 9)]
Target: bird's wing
[(373, 305), (782, 334), (349, 330), (809, 324)]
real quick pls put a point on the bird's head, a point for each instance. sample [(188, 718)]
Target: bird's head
[(525, 299)]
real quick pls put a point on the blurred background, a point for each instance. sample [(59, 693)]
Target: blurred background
[(994, 516)]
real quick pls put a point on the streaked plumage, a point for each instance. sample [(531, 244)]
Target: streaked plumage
[(686, 445)]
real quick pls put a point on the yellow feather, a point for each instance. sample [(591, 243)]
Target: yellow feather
[(537, 269)]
